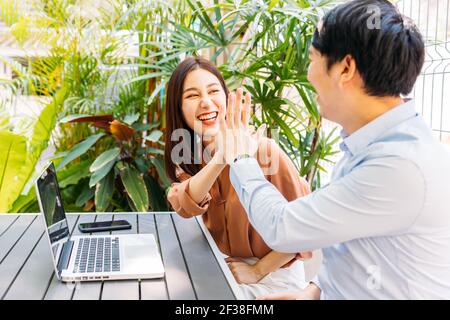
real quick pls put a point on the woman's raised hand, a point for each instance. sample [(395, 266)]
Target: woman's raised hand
[(236, 137)]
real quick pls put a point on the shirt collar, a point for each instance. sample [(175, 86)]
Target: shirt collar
[(365, 135)]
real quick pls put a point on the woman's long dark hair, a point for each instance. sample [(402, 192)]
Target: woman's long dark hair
[(174, 114)]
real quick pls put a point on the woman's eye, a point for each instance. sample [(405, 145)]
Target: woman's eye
[(192, 96), (214, 91)]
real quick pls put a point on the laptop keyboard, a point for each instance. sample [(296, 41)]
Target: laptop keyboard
[(97, 255)]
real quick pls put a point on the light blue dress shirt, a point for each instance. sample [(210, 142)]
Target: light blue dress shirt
[(383, 221)]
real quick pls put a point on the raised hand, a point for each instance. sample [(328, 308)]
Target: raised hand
[(236, 137)]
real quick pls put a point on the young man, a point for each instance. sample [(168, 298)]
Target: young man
[(383, 221)]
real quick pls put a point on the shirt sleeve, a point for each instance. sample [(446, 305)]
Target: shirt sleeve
[(378, 197), (182, 202), (282, 173)]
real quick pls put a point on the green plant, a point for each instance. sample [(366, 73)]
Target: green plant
[(19, 154), (123, 169), (263, 46), (87, 57), (274, 71), (9, 10)]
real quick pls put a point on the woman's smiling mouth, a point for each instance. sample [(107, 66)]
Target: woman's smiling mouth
[(208, 117)]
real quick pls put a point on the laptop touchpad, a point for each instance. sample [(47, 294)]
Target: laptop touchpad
[(140, 250)]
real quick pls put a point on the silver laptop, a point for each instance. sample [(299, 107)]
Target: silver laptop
[(93, 257)]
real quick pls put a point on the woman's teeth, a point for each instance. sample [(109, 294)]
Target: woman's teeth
[(208, 116)]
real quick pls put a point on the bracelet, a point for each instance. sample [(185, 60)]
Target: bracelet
[(242, 156)]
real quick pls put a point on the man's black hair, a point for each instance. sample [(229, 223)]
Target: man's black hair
[(387, 46)]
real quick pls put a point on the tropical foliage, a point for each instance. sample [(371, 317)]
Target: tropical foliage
[(104, 73)]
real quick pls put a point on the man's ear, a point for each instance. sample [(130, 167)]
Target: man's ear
[(348, 70)]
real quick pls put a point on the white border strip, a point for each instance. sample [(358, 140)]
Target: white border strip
[(237, 291)]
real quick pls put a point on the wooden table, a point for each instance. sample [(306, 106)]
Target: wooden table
[(195, 268)]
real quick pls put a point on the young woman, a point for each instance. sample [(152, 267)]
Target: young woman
[(196, 92)]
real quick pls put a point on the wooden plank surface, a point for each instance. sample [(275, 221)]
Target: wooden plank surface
[(178, 282), (11, 265), (6, 221), (201, 261), (151, 289), (26, 269), (13, 234), (34, 278)]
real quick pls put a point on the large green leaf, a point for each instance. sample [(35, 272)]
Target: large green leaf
[(154, 136), (79, 149), (144, 126), (156, 194), (40, 136), (105, 158), (74, 173), (104, 192), (13, 152), (73, 117), (135, 187), (101, 173), (131, 118), (159, 165), (45, 124), (25, 203), (84, 196)]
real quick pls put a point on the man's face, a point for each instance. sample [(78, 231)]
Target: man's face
[(325, 82)]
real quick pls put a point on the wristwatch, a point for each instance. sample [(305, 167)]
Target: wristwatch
[(242, 156)]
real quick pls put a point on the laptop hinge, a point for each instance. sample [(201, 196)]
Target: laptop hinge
[(64, 257)]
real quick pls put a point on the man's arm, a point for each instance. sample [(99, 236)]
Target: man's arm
[(380, 197)]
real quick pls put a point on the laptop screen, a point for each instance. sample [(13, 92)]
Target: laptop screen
[(52, 208)]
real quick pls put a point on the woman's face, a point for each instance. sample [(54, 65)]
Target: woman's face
[(202, 98)]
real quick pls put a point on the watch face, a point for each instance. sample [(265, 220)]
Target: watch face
[(241, 156)]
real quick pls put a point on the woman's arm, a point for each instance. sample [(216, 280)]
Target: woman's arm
[(273, 261), (201, 183), (191, 196), (248, 274)]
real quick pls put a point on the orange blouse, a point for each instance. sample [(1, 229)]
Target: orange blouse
[(222, 211)]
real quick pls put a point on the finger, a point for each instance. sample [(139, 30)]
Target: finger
[(231, 259), (238, 108), (222, 121), (246, 109), (260, 132), (230, 110)]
